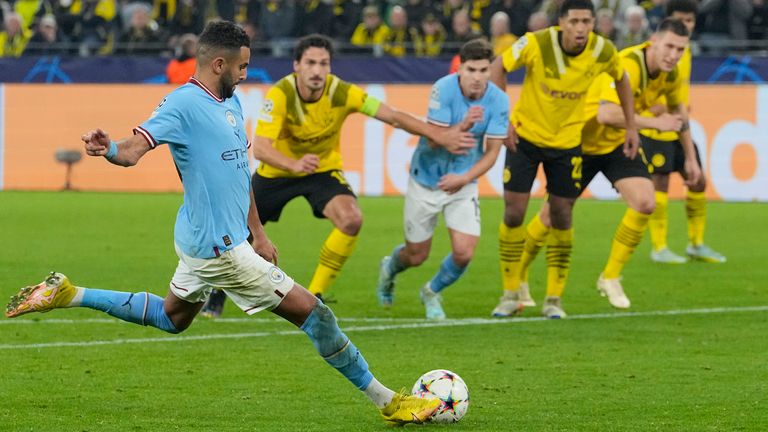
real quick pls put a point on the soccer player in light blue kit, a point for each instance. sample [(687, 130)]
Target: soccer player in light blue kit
[(202, 123), (441, 182)]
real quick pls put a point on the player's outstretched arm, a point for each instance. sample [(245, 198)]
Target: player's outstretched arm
[(452, 183), (125, 153), (265, 152), (456, 139), (611, 114), (632, 140)]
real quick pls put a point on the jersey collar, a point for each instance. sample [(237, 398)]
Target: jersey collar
[(196, 82)]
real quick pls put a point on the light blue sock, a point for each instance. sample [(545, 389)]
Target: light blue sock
[(449, 272), (335, 347), (395, 265), (139, 308)]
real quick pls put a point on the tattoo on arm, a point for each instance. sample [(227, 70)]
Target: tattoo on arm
[(685, 126)]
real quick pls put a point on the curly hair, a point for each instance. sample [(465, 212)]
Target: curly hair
[(223, 35), (309, 41)]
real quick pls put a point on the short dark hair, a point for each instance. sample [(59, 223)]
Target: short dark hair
[(313, 40), (684, 6), (673, 25), (223, 35), (476, 49), (576, 4)]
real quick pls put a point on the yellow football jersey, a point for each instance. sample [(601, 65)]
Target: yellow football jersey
[(684, 68), (600, 139), (550, 111), (299, 127)]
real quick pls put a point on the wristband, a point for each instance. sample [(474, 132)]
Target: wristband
[(112, 152)]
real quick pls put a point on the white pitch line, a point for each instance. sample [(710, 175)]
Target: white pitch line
[(214, 320), (420, 324)]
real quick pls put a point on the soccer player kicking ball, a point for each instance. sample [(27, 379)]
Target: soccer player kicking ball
[(561, 63), (666, 154), (298, 143), (441, 182), (653, 72), (202, 123)]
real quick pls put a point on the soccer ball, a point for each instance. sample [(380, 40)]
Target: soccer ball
[(449, 388)]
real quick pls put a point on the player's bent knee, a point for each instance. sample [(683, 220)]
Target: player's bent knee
[(416, 259), (351, 224), (645, 206), (462, 258)]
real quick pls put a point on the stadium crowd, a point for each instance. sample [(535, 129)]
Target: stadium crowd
[(381, 27)]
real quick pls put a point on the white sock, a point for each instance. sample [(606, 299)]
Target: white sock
[(378, 394), (78, 298)]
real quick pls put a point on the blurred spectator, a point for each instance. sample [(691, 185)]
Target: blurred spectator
[(604, 24), (757, 28), (449, 8), (635, 30), (552, 9), (94, 27), (142, 37), (501, 38), (27, 9), (517, 12), (276, 20), (46, 40), (248, 12), (430, 37), (346, 17), (721, 20), (538, 21), (163, 12), (182, 67), (655, 12), (400, 38), (477, 9), (617, 7), (372, 31), (314, 16), (188, 18), (14, 37), (461, 29), (416, 11)]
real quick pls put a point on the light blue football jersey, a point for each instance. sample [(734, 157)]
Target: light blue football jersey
[(447, 107), (209, 145)]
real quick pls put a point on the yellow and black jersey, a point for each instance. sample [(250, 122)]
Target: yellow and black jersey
[(600, 139), (299, 127), (550, 111), (684, 68)]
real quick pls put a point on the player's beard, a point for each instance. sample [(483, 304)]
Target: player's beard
[(227, 87)]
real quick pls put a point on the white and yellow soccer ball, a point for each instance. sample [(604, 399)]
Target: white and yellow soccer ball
[(449, 388)]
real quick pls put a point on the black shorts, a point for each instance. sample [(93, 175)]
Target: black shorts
[(272, 194), (666, 156), (615, 166), (562, 168)]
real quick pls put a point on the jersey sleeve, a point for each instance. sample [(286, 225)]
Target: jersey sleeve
[(498, 123), (521, 53), (607, 84), (356, 97), (678, 91), (439, 110), (272, 114), (613, 66), (165, 124)]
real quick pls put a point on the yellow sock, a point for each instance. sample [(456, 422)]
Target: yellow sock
[(559, 245), (625, 241), (696, 209), (510, 249), (659, 221), (535, 236), (336, 249)]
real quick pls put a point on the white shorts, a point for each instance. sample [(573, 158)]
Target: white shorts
[(423, 205), (252, 282)]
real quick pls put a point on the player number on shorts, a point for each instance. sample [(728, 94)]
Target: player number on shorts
[(576, 162)]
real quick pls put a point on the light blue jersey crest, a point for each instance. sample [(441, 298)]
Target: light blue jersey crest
[(447, 107), (209, 145)]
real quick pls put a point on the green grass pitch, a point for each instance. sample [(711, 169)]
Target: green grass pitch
[(691, 356)]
